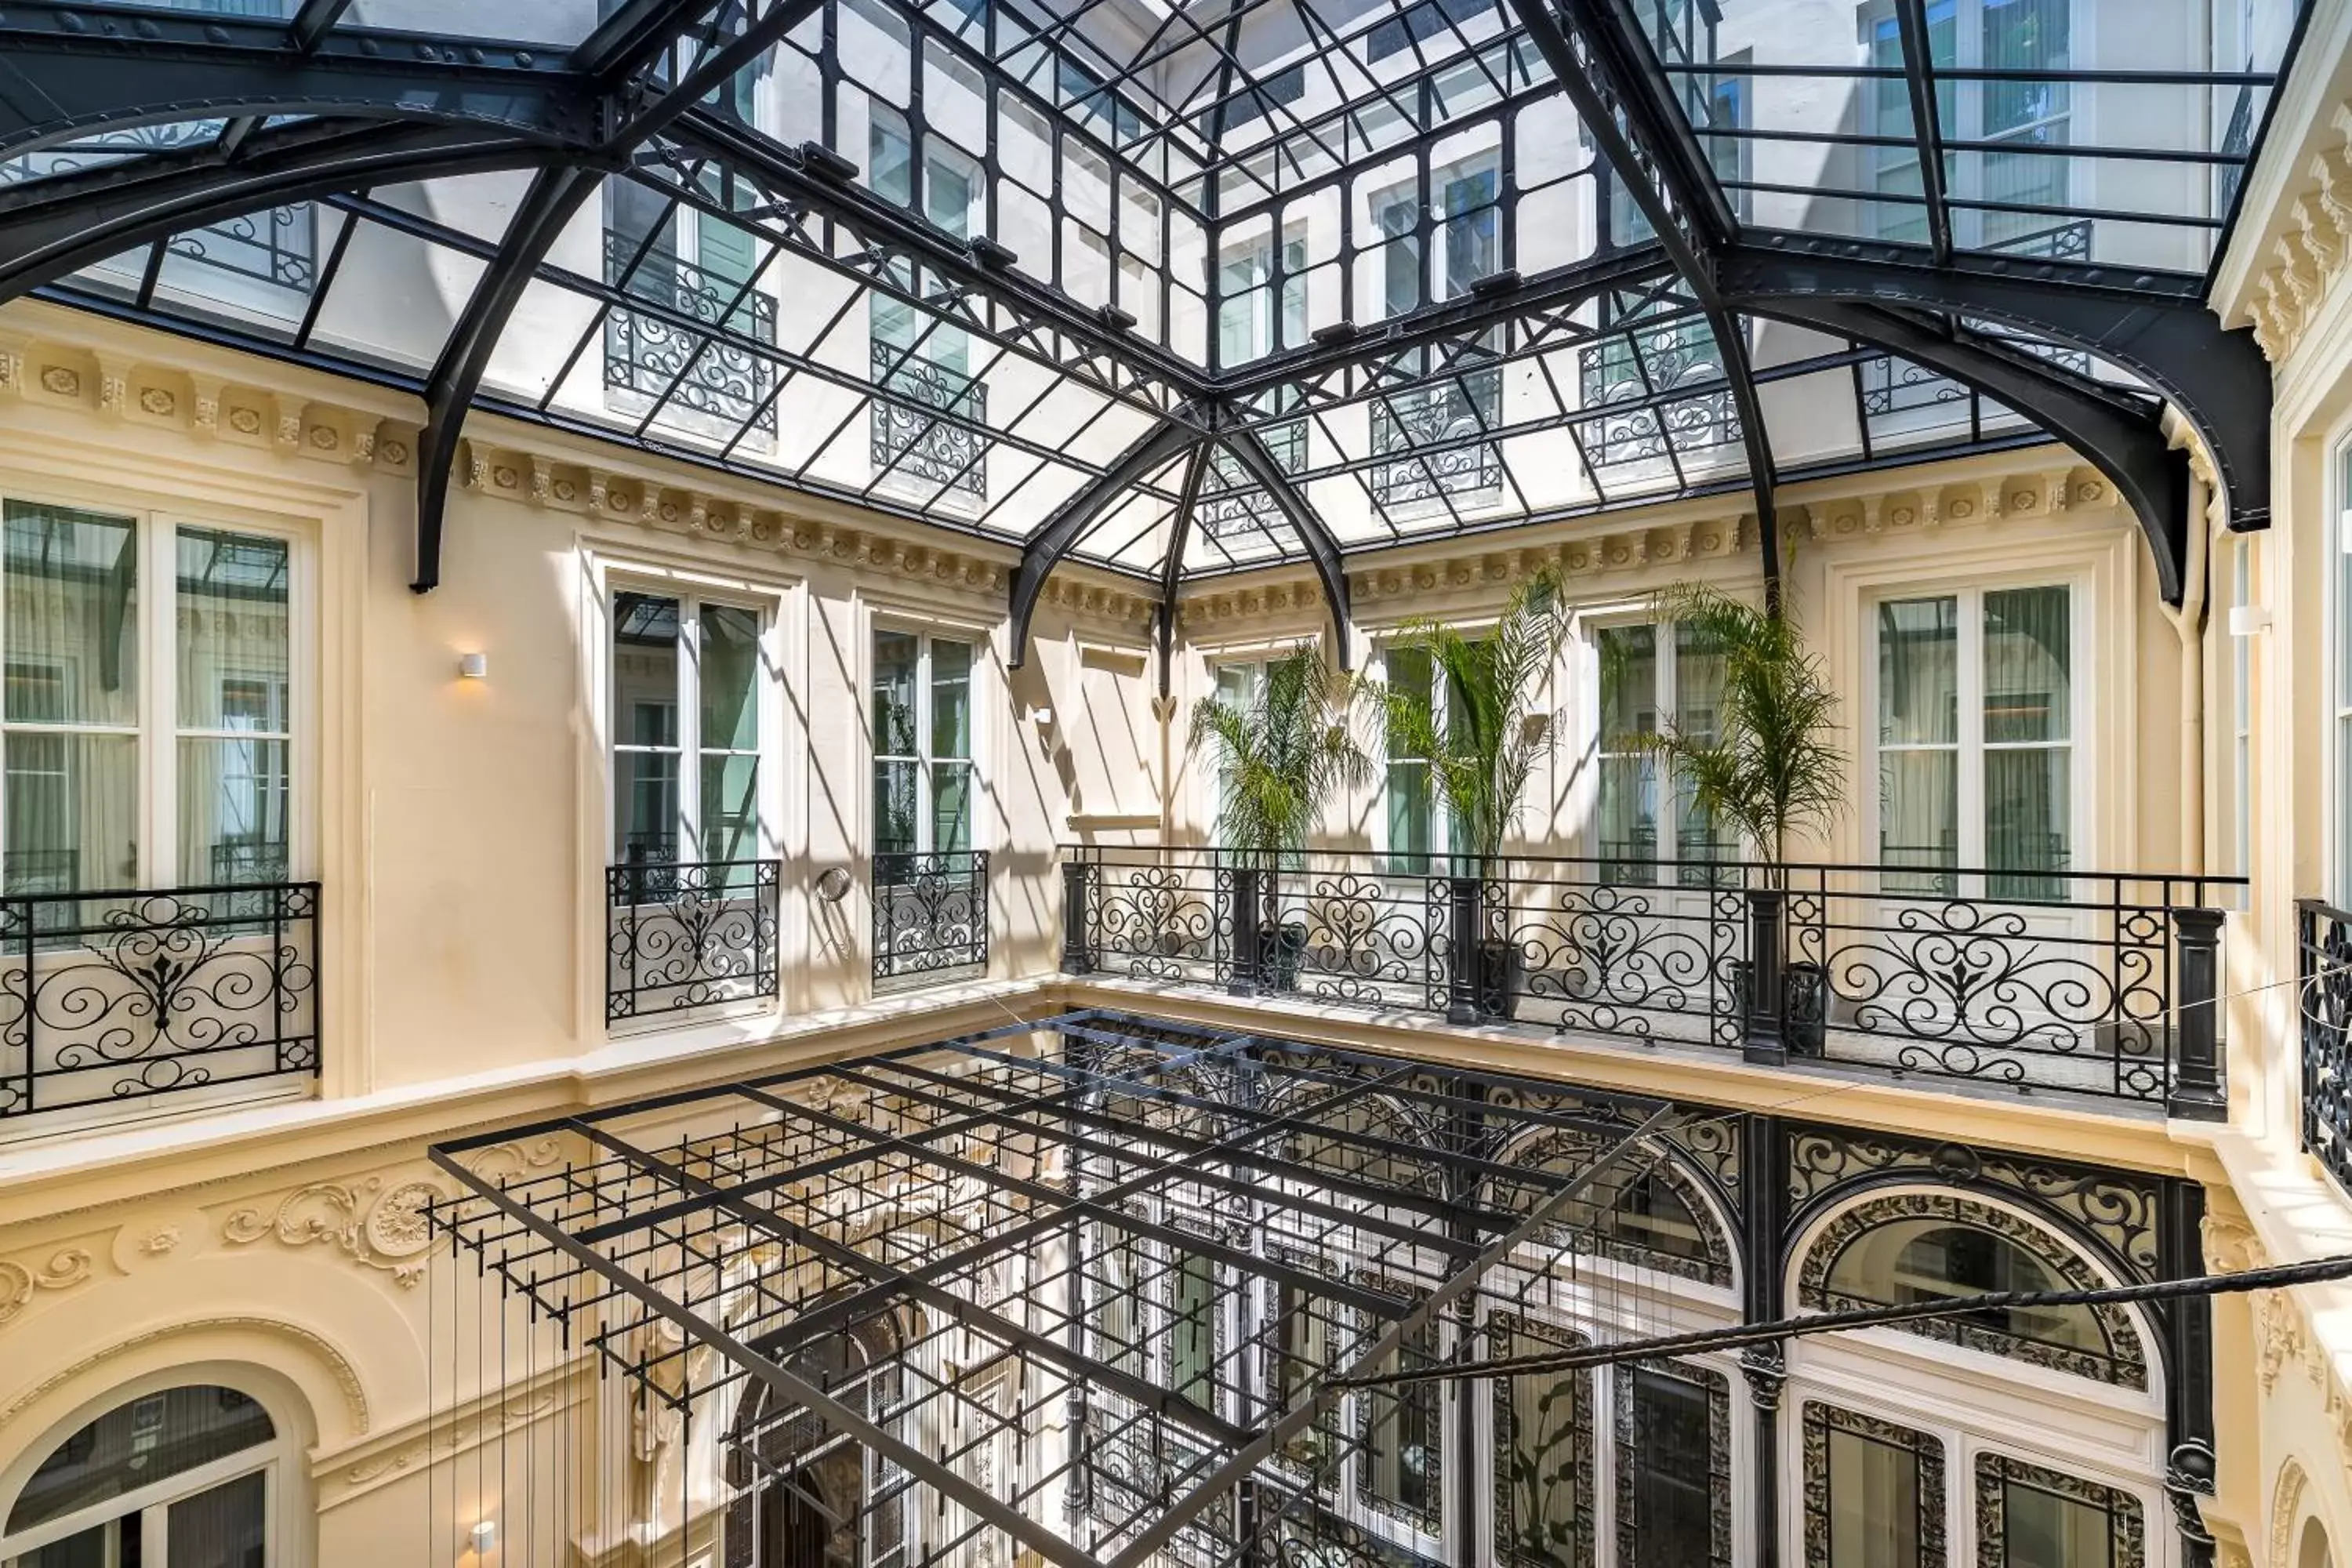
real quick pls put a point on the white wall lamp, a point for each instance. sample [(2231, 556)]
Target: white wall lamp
[(484, 1535), (473, 667), (2246, 620)]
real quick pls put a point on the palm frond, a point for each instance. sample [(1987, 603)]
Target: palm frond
[(1283, 752)]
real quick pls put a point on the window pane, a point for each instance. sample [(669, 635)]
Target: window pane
[(1628, 816), (950, 698), (894, 694), (1919, 808), (1410, 815), (893, 807), (1699, 692), (645, 671), (1192, 1328), (232, 802), (72, 613), (73, 811), (223, 1527), (1629, 684), (136, 1445), (729, 676), (645, 800), (1544, 1444), (87, 1550), (1918, 672), (231, 631), (1672, 1455), (2045, 1531), (1874, 1502), (951, 808), (2028, 809), (731, 806), (1400, 1438), (2027, 693)]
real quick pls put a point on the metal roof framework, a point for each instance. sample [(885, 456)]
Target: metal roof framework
[(1230, 283)]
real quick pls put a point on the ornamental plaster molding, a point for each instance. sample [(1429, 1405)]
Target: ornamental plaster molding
[(2286, 1510), (2310, 254), (2048, 491), (64, 1269), (421, 1445), (338, 1366), (376, 1220), (152, 392)]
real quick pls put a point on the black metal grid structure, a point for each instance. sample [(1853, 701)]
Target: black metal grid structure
[(916, 1254), (1191, 290), (1123, 1290)]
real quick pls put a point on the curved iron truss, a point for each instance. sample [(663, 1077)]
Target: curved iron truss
[(1178, 414)]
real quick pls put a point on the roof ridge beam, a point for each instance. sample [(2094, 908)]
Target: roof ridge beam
[(1070, 520), (1322, 550)]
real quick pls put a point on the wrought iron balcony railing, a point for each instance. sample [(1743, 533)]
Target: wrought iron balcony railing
[(1437, 417), (2104, 988), (2323, 1004), (681, 936), (914, 445), (114, 998), (685, 353), (931, 915)]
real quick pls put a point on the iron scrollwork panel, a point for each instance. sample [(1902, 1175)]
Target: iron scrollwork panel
[(910, 441), (1158, 921), (697, 371), (930, 913), (111, 997), (1650, 962), (2323, 1009), (690, 934)]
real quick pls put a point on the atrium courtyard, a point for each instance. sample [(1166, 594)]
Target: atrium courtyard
[(1167, 783)]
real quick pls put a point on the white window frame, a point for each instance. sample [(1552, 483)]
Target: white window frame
[(925, 825), (1441, 825), (690, 598), (2336, 825), (1668, 852), (2241, 706), (158, 728), (2082, 732)]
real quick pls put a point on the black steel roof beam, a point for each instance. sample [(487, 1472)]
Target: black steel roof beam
[(2113, 76), (1660, 126), (760, 35), (314, 21), (42, 245), (2125, 443), (635, 32), (1322, 549), (784, 175), (554, 196), (58, 86), (1927, 132), (1172, 565), (2217, 377), (1070, 520)]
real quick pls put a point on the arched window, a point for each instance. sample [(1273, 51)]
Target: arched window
[(1653, 1218), (1927, 1246), (180, 1476), (2312, 1551)]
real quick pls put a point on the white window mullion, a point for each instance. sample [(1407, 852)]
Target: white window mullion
[(1971, 835), (924, 808), (688, 826), (158, 633)]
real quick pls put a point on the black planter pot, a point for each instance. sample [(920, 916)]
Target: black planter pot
[(1804, 1005), (1281, 953), (1501, 968)]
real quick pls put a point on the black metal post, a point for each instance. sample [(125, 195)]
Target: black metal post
[(1077, 943), (2198, 1093), (1763, 1231), (1242, 917), (1465, 923), (1768, 1374), (1766, 981), (2187, 1324)]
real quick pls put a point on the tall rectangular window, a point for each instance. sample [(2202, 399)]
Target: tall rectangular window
[(1411, 812), (1874, 1492), (1398, 1469), (2241, 710), (107, 783), (1192, 1328), (1975, 739), (688, 358), (1438, 424), (923, 763), (925, 436), (2340, 698), (1641, 823), (1672, 1422), (2031, 1517), (687, 682)]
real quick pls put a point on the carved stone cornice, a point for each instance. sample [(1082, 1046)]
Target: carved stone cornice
[(153, 392), (2309, 254), (2051, 486)]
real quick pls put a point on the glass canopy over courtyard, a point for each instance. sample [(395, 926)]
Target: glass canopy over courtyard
[(1180, 289)]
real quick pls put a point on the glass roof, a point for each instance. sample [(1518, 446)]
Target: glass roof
[(965, 260)]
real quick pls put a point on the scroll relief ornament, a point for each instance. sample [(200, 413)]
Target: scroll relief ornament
[(18, 1281), (377, 1224)]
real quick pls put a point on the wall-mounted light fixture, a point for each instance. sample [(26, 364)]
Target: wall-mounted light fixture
[(473, 667), (2245, 620), (484, 1535)]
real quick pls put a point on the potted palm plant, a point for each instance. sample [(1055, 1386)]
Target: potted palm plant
[(1280, 752), (1484, 749), (1767, 768)]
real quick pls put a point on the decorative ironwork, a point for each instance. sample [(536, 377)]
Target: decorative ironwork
[(1230, 503), (1665, 1223), (699, 369), (2076, 992), (913, 445), (2324, 1007), (930, 914), (279, 245), (2123, 1363), (1927, 1452), (2067, 983), (1996, 1473), (1636, 1456), (683, 935), (1630, 381), (114, 997), (2119, 1211), (1440, 417), (1557, 1457)]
